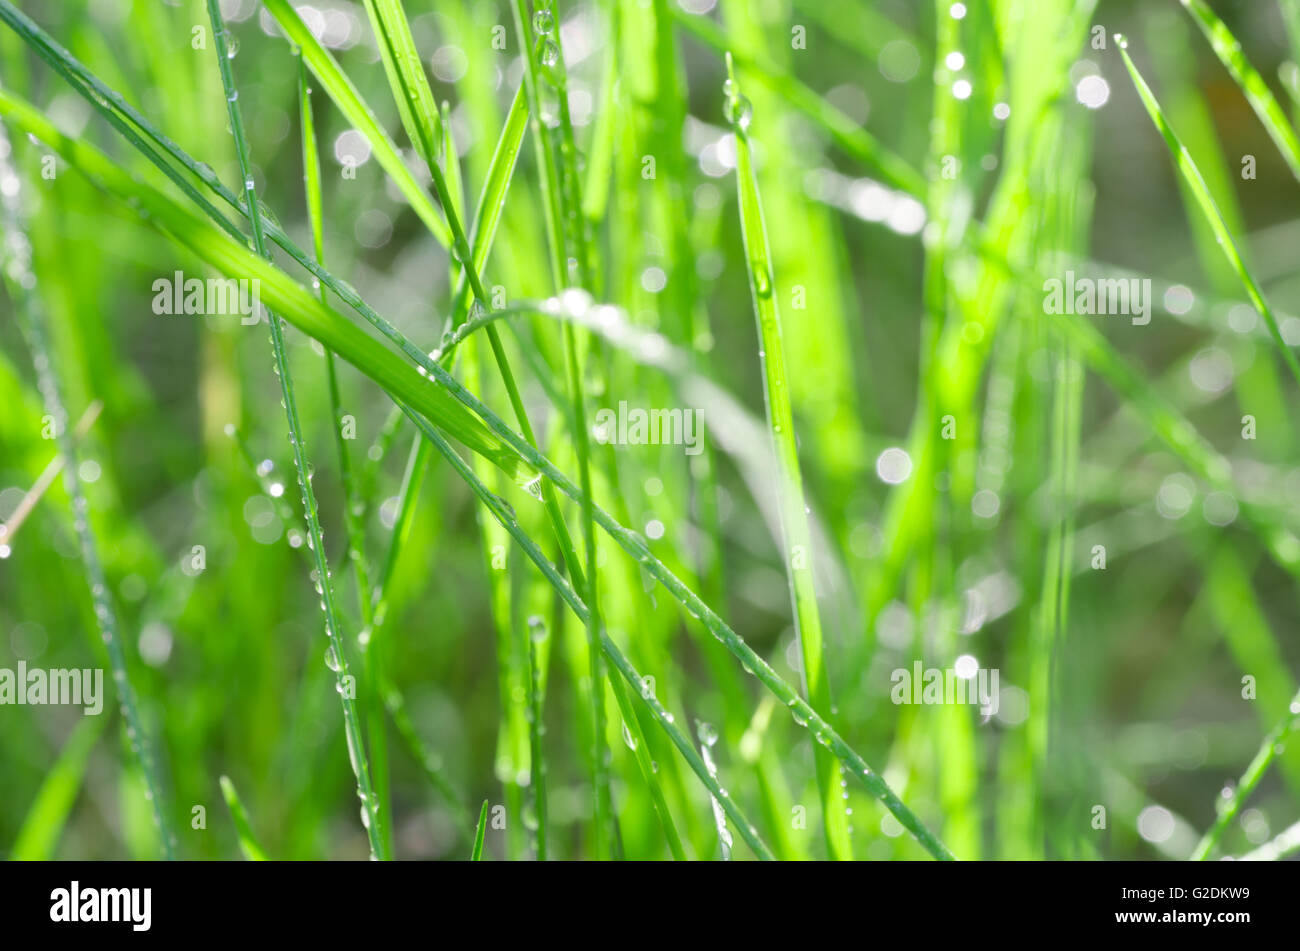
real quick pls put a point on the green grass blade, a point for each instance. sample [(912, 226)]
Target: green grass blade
[(38, 836), (248, 843), (290, 299), (851, 137), (503, 513), (1252, 84), (480, 832), (298, 304), (415, 102), (647, 769), (349, 101), (1192, 176), (1268, 751), (337, 660), (537, 761), (15, 256), (797, 537)]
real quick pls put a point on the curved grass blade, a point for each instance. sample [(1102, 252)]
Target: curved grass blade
[(248, 843), (1260, 97), (280, 292), (797, 544), (1196, 184)]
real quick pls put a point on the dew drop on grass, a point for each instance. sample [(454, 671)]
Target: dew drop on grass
[(738, 110), (534, 488), (628, 738), (548, 54), (543, 21), (332, 659)]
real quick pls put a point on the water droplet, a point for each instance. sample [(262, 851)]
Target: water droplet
[(543, 21), (548, 54), (332, 659), (738, 110)]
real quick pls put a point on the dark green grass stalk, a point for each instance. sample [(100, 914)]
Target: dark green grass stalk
[(796, 537), (337, 660), (20, 282)]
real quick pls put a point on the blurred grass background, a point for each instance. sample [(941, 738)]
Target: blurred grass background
[(1122, 687)]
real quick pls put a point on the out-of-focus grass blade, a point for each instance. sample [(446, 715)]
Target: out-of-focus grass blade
[(1192, 176), (38, 836), (479, 833), (248, 843), (345, 96), (1252, 84), (1268, 750), (850, 136), (278, 290)]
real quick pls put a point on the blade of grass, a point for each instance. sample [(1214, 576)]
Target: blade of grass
[(1268, 750), (337, 659), (353, 528), (1192, 176), (248, 843), (15, 255), (287, 297), (796, 536), (479, 832), (358, 113), (504, 513), (849, 135), (536, 704), (232, 259), (38, 836), (563, 210), (1252, 84)]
